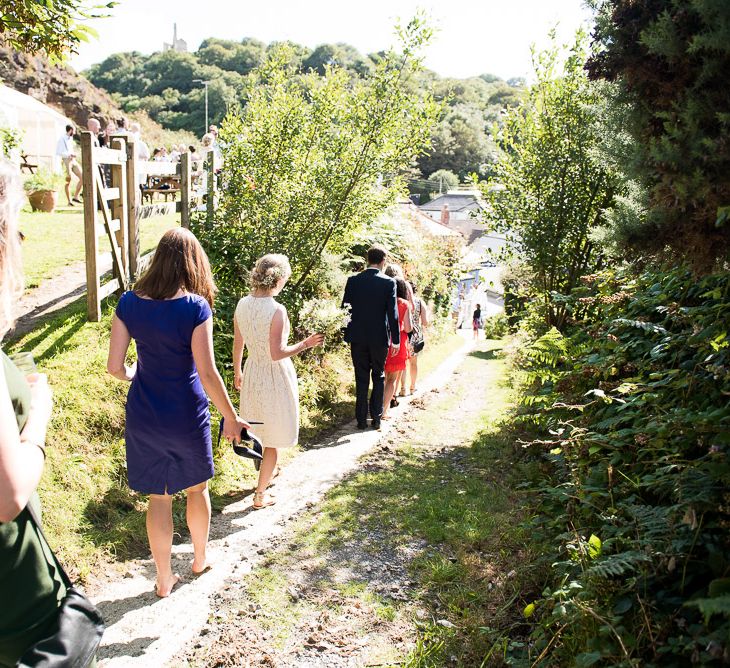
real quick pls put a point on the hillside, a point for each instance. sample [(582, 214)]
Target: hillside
[(163, 85), (72, 94)]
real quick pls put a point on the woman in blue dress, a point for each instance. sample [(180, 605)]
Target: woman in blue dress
[(168, 422)]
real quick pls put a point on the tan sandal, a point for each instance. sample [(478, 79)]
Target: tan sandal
[(262, 500)]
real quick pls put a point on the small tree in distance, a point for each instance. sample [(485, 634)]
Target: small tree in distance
[(443, 180)]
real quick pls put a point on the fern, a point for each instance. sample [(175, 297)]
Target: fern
[(719, 605), (618, 564)]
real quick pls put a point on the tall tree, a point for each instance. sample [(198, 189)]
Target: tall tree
[(550, 188), (670, 62)]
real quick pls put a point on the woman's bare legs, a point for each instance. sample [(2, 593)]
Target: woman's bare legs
[(402, 378), (198, 517), (413, 364), (389, 391), (271, 456), (159, 533)]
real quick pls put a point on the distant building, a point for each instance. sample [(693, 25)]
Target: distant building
[(480, 284), (458, 210), (177, 44)]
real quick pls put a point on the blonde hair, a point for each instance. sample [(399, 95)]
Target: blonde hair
[(11, 273), (269, 270), (394, 271)]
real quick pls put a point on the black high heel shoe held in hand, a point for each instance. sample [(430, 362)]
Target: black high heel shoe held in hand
[(255, 452)]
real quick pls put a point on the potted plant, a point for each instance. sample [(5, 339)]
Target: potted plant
[(42, 189)]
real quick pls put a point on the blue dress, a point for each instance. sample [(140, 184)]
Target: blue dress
[(168, 421)]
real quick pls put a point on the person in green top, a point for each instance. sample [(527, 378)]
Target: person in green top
[(31, 588)]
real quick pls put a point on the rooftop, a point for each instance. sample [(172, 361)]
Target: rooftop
[(455, 201)]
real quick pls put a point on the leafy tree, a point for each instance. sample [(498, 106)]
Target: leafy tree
[(297, 52), (669, 61), (442, 180), (170, 69), (341, 55), (54, 27), (550, 188), (241, 57), (311, 160), (121, 73), (460, 144)]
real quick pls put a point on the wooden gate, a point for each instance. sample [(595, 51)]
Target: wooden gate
[(113, 210)]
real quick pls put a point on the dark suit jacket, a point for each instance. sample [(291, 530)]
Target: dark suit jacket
[(372, 296)]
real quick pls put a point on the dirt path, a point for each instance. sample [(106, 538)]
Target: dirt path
[(350, 601), (145, 631), (51, 296)]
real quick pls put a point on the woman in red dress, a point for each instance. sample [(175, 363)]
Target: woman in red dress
[(396, 363)]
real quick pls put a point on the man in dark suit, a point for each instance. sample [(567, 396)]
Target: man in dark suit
[(372, 330)]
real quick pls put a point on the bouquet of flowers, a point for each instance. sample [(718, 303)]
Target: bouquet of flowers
[(323, 316)]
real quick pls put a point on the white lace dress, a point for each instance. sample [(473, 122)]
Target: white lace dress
[(269, 391)]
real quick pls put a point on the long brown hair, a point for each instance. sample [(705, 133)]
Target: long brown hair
[(178, 263)]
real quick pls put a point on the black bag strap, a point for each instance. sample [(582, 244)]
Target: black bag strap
[(36, 521)]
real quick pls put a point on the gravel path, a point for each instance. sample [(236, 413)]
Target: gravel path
[(145, 631), (51, 296)]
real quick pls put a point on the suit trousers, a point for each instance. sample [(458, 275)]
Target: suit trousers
[(369, 361)]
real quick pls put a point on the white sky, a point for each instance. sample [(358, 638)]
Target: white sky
[(474, 36)]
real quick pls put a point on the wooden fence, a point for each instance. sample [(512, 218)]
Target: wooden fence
[(113, 209)]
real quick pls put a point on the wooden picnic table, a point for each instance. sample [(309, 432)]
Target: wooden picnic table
[(163, 185)]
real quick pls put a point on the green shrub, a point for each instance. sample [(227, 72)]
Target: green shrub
[(42, 179), (496, 326), (629, 414)]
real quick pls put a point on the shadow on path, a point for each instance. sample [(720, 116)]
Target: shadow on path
[(74, 315), (135, 647), (486, 354)]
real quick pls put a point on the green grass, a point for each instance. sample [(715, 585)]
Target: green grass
[(55, 240)]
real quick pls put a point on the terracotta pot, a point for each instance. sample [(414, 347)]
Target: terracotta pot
[(43, 200)]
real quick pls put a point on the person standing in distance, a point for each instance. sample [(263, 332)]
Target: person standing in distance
[(66, 150), (372, 330)]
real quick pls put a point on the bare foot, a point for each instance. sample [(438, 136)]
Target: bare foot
[(198, 569), (164, 590)]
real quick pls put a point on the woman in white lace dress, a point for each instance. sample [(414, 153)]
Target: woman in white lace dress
[(268, 382)]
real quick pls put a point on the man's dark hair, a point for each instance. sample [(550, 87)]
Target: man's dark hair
[(70, 127), (376, 254)]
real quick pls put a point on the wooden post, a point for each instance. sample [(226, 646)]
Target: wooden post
[(88, 167), (210, 200), (133, 197), (119, 210), (186, 187)]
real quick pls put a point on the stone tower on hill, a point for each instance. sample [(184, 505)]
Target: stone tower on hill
[(177, 44)]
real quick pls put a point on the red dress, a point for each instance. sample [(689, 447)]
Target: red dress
[(398, 361)]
